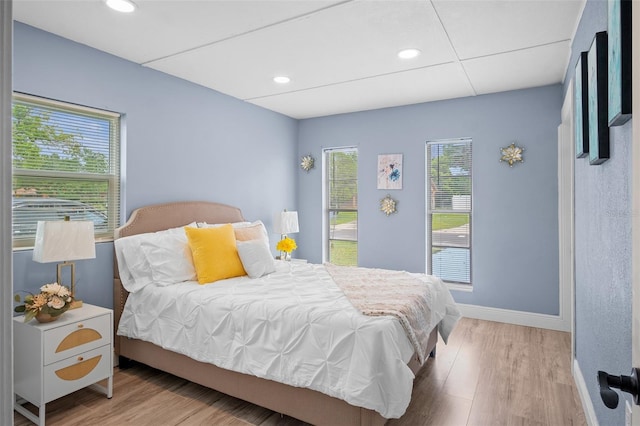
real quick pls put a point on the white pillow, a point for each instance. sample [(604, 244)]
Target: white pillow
[(256, 258), (130, 260), (134, 268), (169, 258), (138, 267), (217, 225)]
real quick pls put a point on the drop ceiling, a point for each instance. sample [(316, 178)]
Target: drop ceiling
[(341, 56)]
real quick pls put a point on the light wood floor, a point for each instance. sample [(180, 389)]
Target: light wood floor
[(489, 374)]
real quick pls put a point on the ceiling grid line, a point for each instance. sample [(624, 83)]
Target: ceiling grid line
[(464, 70), (248, 32), (515, 50), (337, 83)]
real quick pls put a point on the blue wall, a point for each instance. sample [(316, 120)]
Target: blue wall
[(603, 247), (183, 142), (515, 216)]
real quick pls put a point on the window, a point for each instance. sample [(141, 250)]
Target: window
[(449, 214), (341, 217), (66, 162)]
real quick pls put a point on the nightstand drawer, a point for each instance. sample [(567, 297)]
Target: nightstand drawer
[(74, 373), (80, 336)]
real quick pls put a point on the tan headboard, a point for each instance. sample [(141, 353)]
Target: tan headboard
[(159, 217), (170, 215)]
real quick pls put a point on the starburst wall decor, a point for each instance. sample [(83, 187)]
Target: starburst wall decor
[(307, 163), (512, 154), (388, 205)]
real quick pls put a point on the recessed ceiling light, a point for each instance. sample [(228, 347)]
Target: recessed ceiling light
[(281, 79), (408, 53), (125, 6)]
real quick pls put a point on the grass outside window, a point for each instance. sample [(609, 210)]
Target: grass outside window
[(344, 253), (448, 220)]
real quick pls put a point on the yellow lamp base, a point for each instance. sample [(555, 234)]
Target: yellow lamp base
[(76, 304)]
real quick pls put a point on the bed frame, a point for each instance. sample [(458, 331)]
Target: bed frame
[(303, 404)]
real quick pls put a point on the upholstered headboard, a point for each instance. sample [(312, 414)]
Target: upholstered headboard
[(159, 217), (170, 215)]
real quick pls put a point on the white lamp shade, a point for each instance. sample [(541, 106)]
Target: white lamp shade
[(59, 241), (286, 223)]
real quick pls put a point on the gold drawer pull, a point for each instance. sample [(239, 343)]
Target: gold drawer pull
[(80, 358), (80, 325)]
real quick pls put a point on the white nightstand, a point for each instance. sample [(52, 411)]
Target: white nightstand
[(54, 359)]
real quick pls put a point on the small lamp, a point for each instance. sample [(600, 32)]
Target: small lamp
[(285, 223), (65, 241)]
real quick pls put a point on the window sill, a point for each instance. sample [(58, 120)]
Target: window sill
[(460, 287), (30, 247)]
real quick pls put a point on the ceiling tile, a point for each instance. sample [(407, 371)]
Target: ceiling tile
[(479, 28), (402, 88), (349, 42), (538, 66), (158, 28)]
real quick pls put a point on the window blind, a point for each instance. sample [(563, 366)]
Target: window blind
[(449, 212), (66, 162)]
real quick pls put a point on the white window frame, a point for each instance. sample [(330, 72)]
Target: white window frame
[(326, 226), (112, 177), (429, 212)]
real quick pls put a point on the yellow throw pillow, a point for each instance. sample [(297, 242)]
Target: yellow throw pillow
[(215, 255)]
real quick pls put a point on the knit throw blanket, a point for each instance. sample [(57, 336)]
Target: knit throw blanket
[(378, 292)]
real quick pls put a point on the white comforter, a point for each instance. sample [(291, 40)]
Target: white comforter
[(294, 326)]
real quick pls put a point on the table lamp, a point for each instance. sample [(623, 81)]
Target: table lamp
[(286, 223), (65, 241)]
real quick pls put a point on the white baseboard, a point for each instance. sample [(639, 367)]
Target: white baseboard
[(587, 405), (551, 322)]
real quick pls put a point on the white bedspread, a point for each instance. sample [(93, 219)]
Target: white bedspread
[(294, 326)]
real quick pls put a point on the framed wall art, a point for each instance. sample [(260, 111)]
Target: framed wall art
[(598, 118), (619, 63), (390, 171), (581, 106)]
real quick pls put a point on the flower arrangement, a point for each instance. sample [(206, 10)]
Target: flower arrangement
[(54, 299), (286, 245)]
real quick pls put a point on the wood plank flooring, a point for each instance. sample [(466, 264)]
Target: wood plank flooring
[(489, 374)]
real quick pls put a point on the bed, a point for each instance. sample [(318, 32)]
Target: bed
[(313, 403)]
